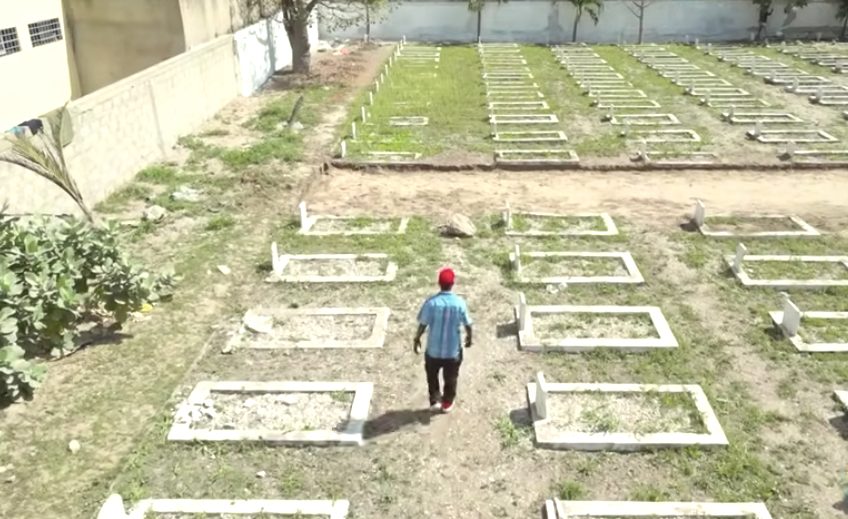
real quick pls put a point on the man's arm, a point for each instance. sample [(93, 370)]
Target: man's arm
[(416, 342), (468, 335)]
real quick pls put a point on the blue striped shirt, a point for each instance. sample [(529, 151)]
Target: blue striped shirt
[(443, 314)]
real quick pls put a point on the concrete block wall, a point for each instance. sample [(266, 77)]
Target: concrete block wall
[(543, 21)]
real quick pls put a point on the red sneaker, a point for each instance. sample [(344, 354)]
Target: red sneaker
[(447, 407)]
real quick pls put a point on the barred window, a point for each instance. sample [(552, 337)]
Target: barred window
[(44, 32), (9, 43)]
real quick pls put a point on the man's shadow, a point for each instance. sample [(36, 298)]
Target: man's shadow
[(392, 421)]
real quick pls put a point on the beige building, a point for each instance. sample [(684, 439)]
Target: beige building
[(33, 60)]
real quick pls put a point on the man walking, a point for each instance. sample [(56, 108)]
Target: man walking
[(443, 314)]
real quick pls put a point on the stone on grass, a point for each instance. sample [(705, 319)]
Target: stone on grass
[(225, 270), (297, 126), (258, 323), (186, 194), (459, 226), (261, 474), (74, 446), (154, 213)]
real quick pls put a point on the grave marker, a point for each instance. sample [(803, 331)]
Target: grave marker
[(741, 251), (791, 317), (541, 404)]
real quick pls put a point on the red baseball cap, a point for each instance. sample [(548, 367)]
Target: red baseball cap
[(446, 276)]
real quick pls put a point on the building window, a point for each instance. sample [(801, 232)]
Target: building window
[(9, 43), (44, 32)]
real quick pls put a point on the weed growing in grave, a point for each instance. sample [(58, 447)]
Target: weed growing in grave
[(218, 132), (511, 434), (600, 419), (221, 221), (569, 490), (647, 492)]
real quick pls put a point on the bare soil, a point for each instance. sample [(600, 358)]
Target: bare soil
[(276, 411), (586, 325)]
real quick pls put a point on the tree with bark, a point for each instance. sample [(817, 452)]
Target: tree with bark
[(44, 155), (765, 8), (476, 6), (591, 7), (842, 15), (637, 7)]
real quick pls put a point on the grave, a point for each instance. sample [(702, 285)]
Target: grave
[(416, 120), (643, 119), (508, 76), (749, 102), (285, 413), (753, 226), (575, 329), (769, 117), (804, 271), (718, 91), (703, 82), (677, 158), (540, 157), (580, 267), (803, 80), (331, 268), (621, 417), (519, 105), (816, 156), (662, 136), (561, 509), (530, 136), (114, 508), (311, 328), (784, 136), (523, 119), (327, 225), (626, 104), (525, 223), (512, 87), (618, 93), (812, 331), (814, 89), (393, 156)]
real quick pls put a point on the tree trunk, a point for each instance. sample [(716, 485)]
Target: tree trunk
[(479, 23), (574, 31), (763, 21), (641, 22), (367, 23), (299, 39)]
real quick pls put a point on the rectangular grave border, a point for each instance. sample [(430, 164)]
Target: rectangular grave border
[(699, 218), (520, 119), (559, 509), (633, 275), (661, 136), (650, 119), (610, 229), (781, 136), (352, 435), (376, 340), (676, 158), (307, 222), (527, 340), (623, 442), (535, 157), (338, 509), (789, 321), (736, 263), (531, 136), (280, 261)]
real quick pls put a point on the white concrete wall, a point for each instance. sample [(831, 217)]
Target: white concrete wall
[(541, 21), (262, 49), (35, 80)]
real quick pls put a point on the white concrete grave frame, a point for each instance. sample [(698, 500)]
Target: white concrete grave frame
[(633, 276), (530, 136), (677, 158), (415, 120), (647, 119), (393, 156), (618, 93), (279, 262), (113, 508), (181, 430), (790, 320), (661, 136), (523, 119), (621, 442), (610, 229), (528, 341), (767, 117), (540, 157), (784, 136), (736, 264), (802, 228), (626, 104), (559, 509), (519, 105), (307, 224), (376, 338)]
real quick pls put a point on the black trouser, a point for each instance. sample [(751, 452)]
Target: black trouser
[(450, 373)]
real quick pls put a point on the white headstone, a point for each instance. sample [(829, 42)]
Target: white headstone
[(541, 396), (790, 149), (403, 39), (376, 86), (707, 97), (113, 508), (371, 98), (795, 84), (362, 113), (758, 128), (382, 78), (386, 69), (696, 43), (343, 149), (522, 311), (791, 318), (731, 112), (819, 93), (508, 215), (700, 213), (741, 251), (275, 259), (304, 216), (677, 77), (353, 130), (516, 259)]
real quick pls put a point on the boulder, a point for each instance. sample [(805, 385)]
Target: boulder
[(154, 213), (459, 226)]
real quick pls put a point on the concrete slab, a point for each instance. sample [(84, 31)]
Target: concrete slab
[(280, 262), (530, 136), (717, 91), (182, 429), (270, 508), (559, 509), (749, 102), (246, 338), (795, 226), (618, 93), (633, 275), (624, 442), (393, 156), (528, 341), (816, 156), (737, 265)]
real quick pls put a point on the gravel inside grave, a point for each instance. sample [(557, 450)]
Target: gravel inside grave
[(335, 267), (571, 266), (746, 224), (282, 412), (639, 413), (290, 330), (592, 326), (354, 224)]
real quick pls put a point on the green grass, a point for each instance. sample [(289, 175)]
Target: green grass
[(219, 222), (511, 435), (570, 490)]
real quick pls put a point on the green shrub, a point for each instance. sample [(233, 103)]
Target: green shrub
[(56, 274)]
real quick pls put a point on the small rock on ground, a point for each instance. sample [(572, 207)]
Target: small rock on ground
[(154, 213)]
